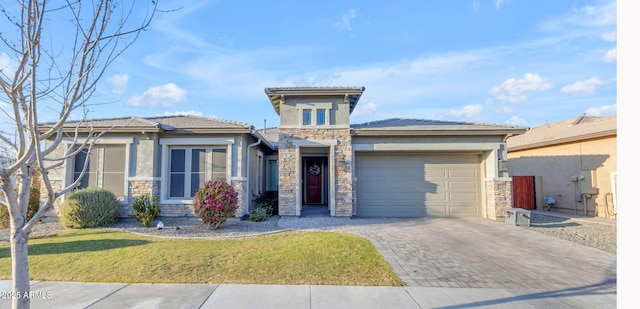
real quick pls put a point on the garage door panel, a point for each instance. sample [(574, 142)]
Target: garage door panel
[(435, 174), (454, 173), (463, 197), (417, 185), (463, 185)]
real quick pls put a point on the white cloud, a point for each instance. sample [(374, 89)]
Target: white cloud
[(585, 87), (183, 113), (604, 110), (610, 36), (118, 83), (161, 96), (346, 20), (476, 5), (516, 90), (364, 110), (611, 55), (516, 121), (468, 112), (498, 3)]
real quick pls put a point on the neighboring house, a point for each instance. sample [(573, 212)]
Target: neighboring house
[(573, 161), (391, 168)]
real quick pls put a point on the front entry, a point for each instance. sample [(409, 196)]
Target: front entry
[(314, 180)]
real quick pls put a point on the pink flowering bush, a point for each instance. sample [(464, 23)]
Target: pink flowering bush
[(215, 202)]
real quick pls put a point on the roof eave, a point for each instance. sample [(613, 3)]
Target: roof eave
[(435, 132), (565, 140), (277, 95)]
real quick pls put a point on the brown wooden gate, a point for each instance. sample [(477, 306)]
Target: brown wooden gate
[(524, 193)]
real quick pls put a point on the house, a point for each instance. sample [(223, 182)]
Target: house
[(569, 166), (391, 168)]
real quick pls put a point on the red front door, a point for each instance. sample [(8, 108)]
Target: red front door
[(314, 182)]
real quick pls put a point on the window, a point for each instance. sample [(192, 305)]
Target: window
[(272, 183), (306, 117), (105, 168), (320, 117), (314, 114), (191, 167)]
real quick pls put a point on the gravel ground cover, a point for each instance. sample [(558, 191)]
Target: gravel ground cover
[(601, 236)]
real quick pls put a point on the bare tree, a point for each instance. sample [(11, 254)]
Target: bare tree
[(57, 54)]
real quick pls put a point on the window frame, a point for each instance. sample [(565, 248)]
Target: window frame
[(167, 144), (312, 111), (69, 174)]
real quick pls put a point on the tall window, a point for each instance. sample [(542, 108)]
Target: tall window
[(105, 168), (306, 117), (272, 183), (191, 167), (320, 117)]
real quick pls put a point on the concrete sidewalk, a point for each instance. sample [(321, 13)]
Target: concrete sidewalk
[(120, 295)]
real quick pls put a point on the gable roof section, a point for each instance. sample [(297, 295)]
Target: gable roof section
[(277, 95), (177, 124), (403, 126), (566, 131), (182, 123)]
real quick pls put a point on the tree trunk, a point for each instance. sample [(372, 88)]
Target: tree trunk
[(20, 270)]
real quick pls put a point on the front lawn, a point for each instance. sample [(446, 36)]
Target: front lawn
[(95, 255)]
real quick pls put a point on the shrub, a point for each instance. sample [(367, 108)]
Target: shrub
[(89, 207), (258, 214), (215, 202), (268, 201), (145, 209), (34, 206)]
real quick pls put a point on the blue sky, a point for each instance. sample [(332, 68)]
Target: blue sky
[(517, 62)]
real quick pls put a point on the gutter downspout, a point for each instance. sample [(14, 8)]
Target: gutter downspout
[(246, 193)]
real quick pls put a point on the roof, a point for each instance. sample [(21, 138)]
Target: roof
[(178, 124), (277, 95), (569, 130), (190, 123), (404, 126)]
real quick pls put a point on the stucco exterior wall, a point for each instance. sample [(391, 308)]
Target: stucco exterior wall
[(290, 110), (557, 169)]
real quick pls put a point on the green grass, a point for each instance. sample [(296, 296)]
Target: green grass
[(94, 255)]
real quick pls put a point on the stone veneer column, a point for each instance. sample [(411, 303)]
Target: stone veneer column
[(240, 186), (498, 197), (54, 211), (342, 168), (139, 187)]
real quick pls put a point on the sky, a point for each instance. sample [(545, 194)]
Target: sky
[(514, 62)]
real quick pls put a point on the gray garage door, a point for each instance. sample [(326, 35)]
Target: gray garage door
[(418, 185)]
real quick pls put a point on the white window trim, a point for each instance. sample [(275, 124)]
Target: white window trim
[(168, 143), (314, 107), (127, 142)]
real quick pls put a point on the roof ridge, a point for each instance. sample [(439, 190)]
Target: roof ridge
[(221, 120), (147, 120)]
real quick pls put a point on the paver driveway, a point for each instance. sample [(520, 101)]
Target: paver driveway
[(475, 252)]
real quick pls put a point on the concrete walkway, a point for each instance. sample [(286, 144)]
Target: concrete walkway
[(445, 262), (118, 295)]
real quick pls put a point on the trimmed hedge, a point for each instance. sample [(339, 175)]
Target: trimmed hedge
[(89, 207)]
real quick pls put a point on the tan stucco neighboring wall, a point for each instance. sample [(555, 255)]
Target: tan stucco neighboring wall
[(558, 169)]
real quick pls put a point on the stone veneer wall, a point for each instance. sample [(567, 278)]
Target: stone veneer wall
[(138, 188), (240, 186), (54, 211), (342, 166), (498, 197)]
